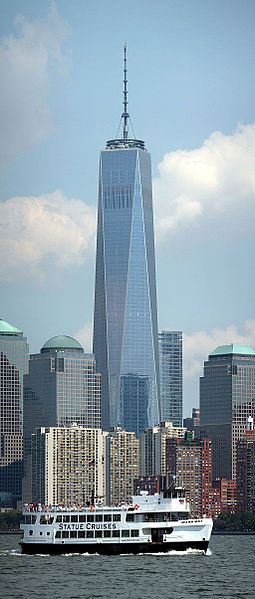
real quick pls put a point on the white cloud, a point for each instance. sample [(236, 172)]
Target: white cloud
[(27, 61), (49, 230), (212, 182), (84, 336), (200, 344)]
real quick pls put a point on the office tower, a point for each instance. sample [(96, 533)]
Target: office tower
[(170, 362), (122, 465), (155, 456), (194, 474), (125, 316), (68, 465), (227, 399), (13, 366), (62, 387), (245, 476), (191, 423)]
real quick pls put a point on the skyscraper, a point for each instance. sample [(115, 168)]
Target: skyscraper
[(13, 366), (62, 387), (170, 360), (227, 400), (125, 316), (68, 463)]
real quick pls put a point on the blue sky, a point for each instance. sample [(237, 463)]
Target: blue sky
[(192, 98)]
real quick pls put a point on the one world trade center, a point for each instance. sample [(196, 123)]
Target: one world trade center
[(125, 315)]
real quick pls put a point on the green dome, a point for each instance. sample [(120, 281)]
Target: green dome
[(8, 329), (233, 348), (62, 342)]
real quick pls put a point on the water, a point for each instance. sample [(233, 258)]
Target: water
[(227, 571)]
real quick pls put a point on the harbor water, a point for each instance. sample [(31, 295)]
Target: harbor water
[(226, 571)]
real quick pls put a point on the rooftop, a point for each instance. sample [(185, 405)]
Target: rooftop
[(62, 342), (233, 348), (8, 329)]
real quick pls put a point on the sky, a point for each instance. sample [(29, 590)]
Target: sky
[(191, 67)]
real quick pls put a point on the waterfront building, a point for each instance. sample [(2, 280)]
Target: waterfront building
[(13, 365), (170, 360), (245, 478), (194, 474), (155, 449), (125, 315), (68, 465), (227, 399), (62, 387), (122, 465)]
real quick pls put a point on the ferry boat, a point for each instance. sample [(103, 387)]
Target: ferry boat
[(151, 524)]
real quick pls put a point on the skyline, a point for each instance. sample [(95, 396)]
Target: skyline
[(192, 99)]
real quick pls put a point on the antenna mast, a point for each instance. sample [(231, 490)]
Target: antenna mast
[(125, 115)]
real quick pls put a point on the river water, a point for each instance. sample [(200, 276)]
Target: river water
[(226, 571)]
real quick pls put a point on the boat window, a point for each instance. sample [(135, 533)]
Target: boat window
[(107, 533), (65, 534), (134, 533), (130, 518), (90, 534), (66, 518), (48, 533), (45, 519), (99, 518), (30, 532), (81, 534), (74, 518), (73, 534), (107, 517), (59, 519), (58, 534), (116, 517), (125, 533), (98, 534), (115, 533), (90, 518), (33, 519), (82, 518)]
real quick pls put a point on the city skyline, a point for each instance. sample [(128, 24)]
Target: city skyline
[(192, 96)]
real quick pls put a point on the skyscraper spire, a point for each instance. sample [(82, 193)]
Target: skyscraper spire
[(125, 115), (123, 139)]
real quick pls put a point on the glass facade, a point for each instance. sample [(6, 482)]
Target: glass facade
[(227, 400), (125, 317), (14, 354), (170, 360)]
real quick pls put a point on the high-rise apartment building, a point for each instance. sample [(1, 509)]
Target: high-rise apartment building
[(62, 387), (227, 399), (170, 361), (194, 474), (68, 465), (155, 449), (13, 366), (122, 465), (245, 477), (125, 316)]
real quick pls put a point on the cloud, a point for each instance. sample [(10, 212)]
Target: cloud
[(200, 344), (207, 184), (28, 60), (46, 231)]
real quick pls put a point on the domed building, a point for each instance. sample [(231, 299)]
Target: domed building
[(62, 388), (227, 400), (14, 355)]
